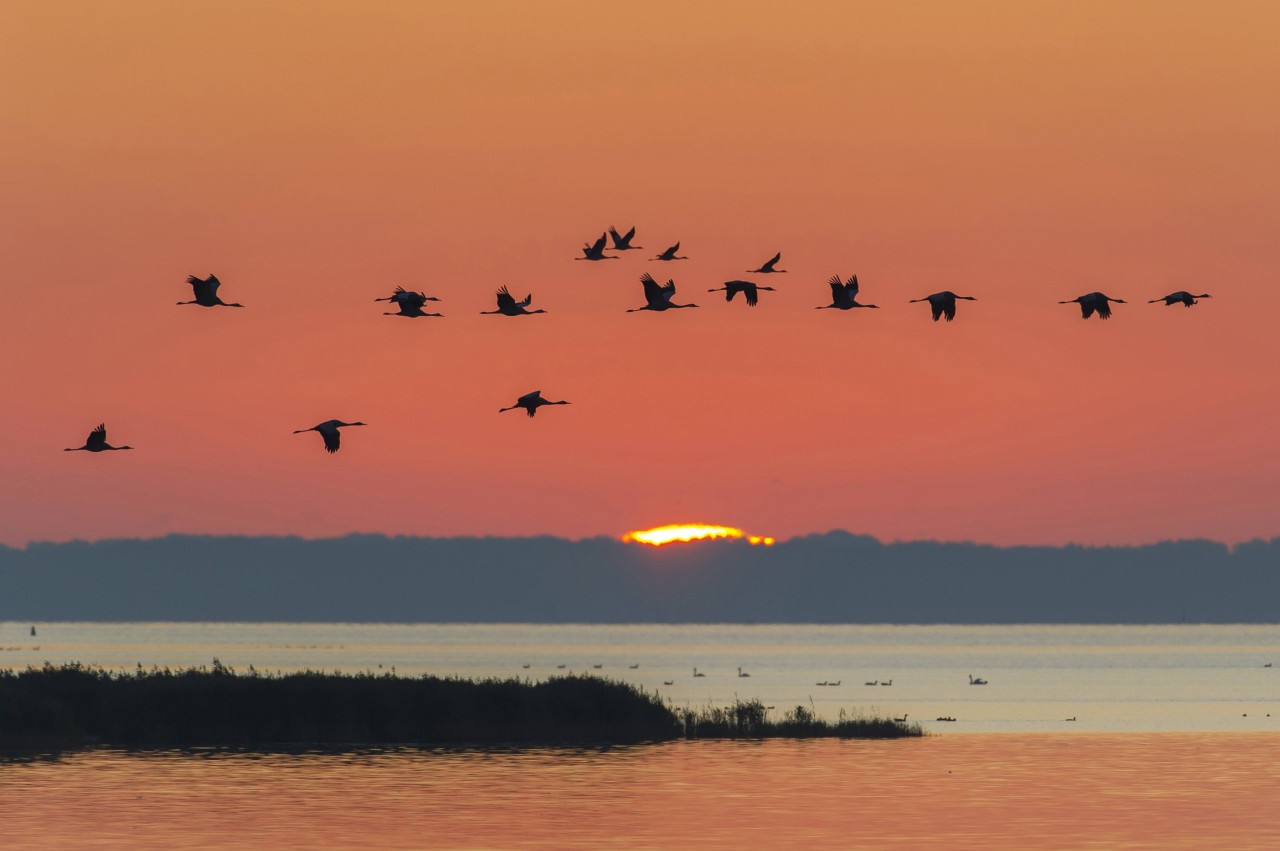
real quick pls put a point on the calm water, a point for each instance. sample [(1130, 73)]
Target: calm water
[(1179, 678), (1177, 743), (1106, 790)]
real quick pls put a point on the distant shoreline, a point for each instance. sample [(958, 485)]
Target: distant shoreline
[(74, 706), (836, 578)]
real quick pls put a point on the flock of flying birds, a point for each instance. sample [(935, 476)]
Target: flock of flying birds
[(658, 297)]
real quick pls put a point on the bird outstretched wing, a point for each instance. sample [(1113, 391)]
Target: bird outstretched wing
[(97, 437), (668, 289), (204, 288), (837, 287), (851, 287), (529, 397), (752, 295), (1104, 309), (332, 439), (598, 246), (505, 299), (622, 240), (772, 262), (653, 291)]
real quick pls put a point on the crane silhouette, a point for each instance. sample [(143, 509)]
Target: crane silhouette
[(1091, 303), (844, 295), (670, 254), (409, 303), (748, 289), (508, 306), (658, 295), (767, 268), (595, 250), (206, 292), (943, 303), (622, 242), (531, 402), (329, 431), (1182, 297), (96, 442)]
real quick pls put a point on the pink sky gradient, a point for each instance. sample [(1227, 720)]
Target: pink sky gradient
[(315, 155)]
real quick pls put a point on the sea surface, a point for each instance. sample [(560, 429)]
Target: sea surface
[(1176, 743), (1171, 678)]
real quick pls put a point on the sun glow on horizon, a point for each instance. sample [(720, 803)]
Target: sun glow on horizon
[(683, 532)]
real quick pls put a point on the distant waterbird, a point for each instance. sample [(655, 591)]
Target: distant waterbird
[(658, 296), (329, 431), (595, 250), (508, 306), (531, 402), (670, 254), (749, 290), (769, 267), (844, 295), (1181, 297), (887, 683), (743, 673), (696, 674), (943, 304), (1091, 303), (622, 242), (976, 681), (872, 683), (633, 667), (903, 719), (668, 682), (96, 442), (206, 292)]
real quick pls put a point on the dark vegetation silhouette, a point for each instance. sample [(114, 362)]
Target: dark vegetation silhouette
[(73, 705), (329, 431), (831, 578), (1091, 303), (409, 303), (749, 291), (943, 304), (670, 254), (530, 403), (595, 250), (751, 719), (769, 266), (622, 242), (844, 294), (96, 442), (658, 296), (508, 306), (206, 292), (1181, 297)]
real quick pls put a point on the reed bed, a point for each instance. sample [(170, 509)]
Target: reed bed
[(75, 705)]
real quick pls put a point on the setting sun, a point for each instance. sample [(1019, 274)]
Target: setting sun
[(691, 532)]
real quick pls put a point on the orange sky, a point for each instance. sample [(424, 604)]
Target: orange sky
[(314, 155)]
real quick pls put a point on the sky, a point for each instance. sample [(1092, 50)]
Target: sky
[(315, 155)]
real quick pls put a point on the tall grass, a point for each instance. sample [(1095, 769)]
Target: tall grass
[(73, 705), (751, 719)]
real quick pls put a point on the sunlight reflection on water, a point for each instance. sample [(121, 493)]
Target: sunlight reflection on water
[(976, 791)]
